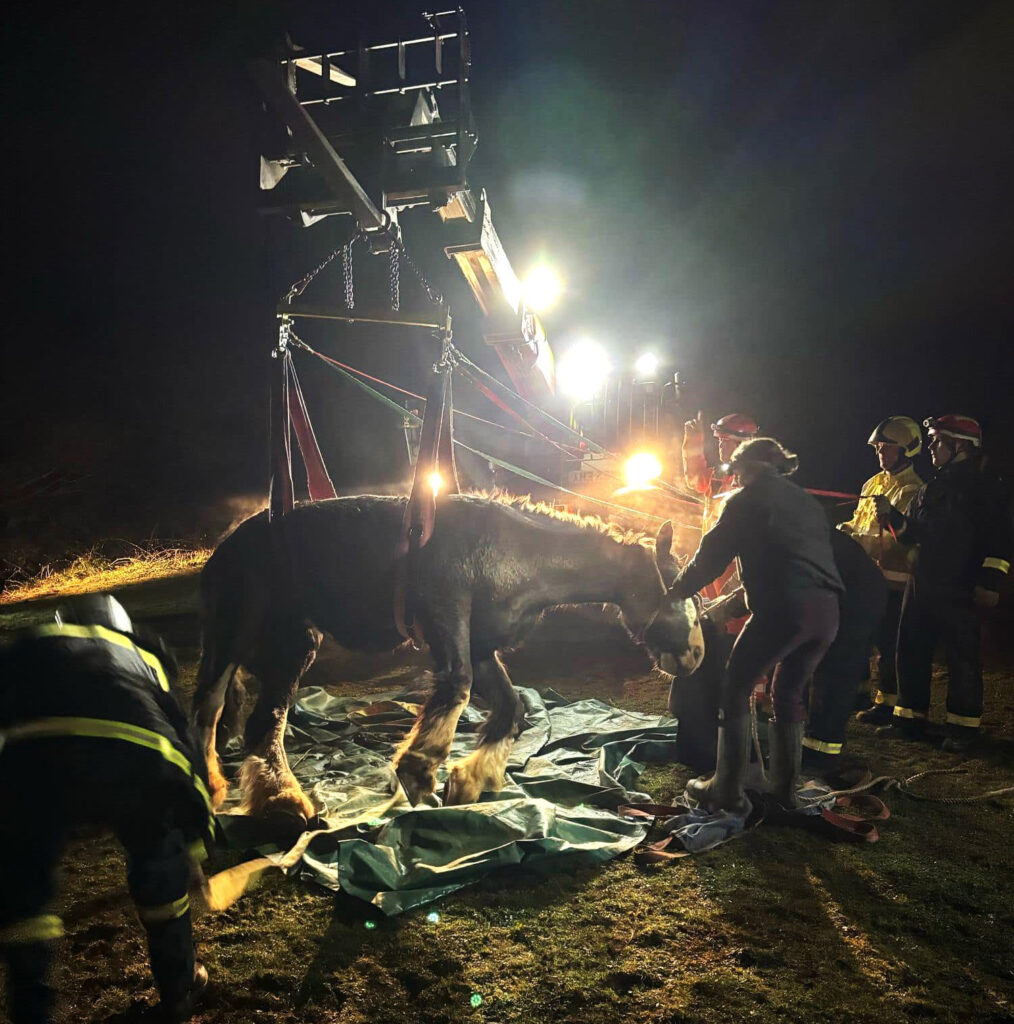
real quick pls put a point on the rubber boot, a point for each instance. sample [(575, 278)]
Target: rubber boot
[(724, 791), (786, 749)]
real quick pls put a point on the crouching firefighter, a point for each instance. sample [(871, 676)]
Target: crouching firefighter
[(782, 539), (91, 735)]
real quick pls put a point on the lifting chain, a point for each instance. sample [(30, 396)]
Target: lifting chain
[(395, 253), (347, 276)]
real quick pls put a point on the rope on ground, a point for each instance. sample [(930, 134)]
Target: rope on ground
[(903, 786)]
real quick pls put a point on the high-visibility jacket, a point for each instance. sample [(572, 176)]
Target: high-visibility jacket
[(68, 681), (894, 558)]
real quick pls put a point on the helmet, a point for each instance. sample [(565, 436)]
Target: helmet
[(899, 430), (955, 425), (95, 610), (735, 424), (765, 450)]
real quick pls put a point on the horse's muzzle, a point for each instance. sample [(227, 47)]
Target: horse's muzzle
[(684, 664)]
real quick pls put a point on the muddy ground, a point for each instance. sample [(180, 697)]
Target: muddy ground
[(778, 926)]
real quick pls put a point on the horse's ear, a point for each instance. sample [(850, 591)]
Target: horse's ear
[(663, 553)]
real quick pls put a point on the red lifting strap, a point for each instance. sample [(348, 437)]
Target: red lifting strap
[(288, 415)]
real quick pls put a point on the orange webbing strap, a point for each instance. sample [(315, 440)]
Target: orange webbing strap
[(435, 474)]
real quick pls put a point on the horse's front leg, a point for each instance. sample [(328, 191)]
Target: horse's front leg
[(209, 700), (285, 654), (427, 744), (483, 770)]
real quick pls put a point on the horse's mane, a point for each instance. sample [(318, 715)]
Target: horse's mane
[(526, 503)]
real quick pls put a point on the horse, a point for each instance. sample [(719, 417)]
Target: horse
[(492, 567)]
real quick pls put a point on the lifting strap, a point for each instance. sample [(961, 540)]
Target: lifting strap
[(289, 413), (435, 476)]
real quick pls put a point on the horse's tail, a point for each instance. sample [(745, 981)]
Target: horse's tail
[(231, 611)]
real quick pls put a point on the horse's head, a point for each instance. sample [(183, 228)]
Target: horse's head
[(674, 637)]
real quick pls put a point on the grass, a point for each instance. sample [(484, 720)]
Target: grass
[(779, 926), (95, 573)]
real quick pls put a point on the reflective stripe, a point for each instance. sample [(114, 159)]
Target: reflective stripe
[(824, 748), (890, 699), (43, 928), (165, 911), (901, 712), (197, 851), (101, 728), (965, 720), (110, 636), (996, 563)]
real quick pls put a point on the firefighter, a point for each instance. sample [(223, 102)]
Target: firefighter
[(897, 441), (843, 668), (961, 523), (716, 483), (782, 539), (92, 735)]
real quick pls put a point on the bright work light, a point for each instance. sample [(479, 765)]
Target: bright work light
[(436, 481), (646, 365), (641, 469), (582, 370), (541, 288)]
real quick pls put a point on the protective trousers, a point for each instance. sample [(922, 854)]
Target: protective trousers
[(930, 616), (33, 829), (887, 645), (793, 634), (832, 694)]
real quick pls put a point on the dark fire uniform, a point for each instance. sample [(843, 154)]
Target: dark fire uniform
[(92, 736), (961, 521)]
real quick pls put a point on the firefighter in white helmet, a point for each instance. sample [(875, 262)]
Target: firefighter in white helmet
[(897, 440)]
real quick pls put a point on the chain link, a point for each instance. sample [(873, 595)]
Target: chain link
[(350, 284), (395, 253)]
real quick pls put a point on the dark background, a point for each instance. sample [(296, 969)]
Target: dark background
[(806, 205)]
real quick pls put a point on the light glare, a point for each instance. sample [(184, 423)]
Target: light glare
[(582, 371), (641, 469), (436, 481), (646, 365), (541, 289)]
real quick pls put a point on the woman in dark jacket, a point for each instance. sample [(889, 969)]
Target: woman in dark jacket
[(781, 537)]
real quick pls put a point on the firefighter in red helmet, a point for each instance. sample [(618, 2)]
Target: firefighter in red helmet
[(716, 483), (961, 522), (897, 440)]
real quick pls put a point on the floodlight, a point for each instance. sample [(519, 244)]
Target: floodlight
[(582, 370), (541, 288), (641, 469), (436, 481)]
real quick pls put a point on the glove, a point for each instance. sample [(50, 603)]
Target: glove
[(694, 429), (984, 599), (883, 507)]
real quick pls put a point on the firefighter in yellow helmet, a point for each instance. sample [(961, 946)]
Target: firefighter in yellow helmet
[(897, 440)]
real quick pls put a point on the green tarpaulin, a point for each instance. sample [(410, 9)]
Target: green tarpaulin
[(571, 767)]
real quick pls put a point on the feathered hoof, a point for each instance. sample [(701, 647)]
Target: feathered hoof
[(218, 785), (268, 791), (417, 775), (469, 778)]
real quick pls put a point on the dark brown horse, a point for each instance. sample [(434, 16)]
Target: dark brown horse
[(490, 570)]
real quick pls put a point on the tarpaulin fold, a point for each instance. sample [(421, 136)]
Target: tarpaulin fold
[(572, 766)]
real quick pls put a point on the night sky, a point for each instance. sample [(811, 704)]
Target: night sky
[(807, 206)]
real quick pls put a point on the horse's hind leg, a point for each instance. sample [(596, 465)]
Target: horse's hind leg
[(284, 654), (483, 770), (209, 700), (426, 746)]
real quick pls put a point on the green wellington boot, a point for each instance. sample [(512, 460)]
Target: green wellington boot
[(786, 749), (724, 791)]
